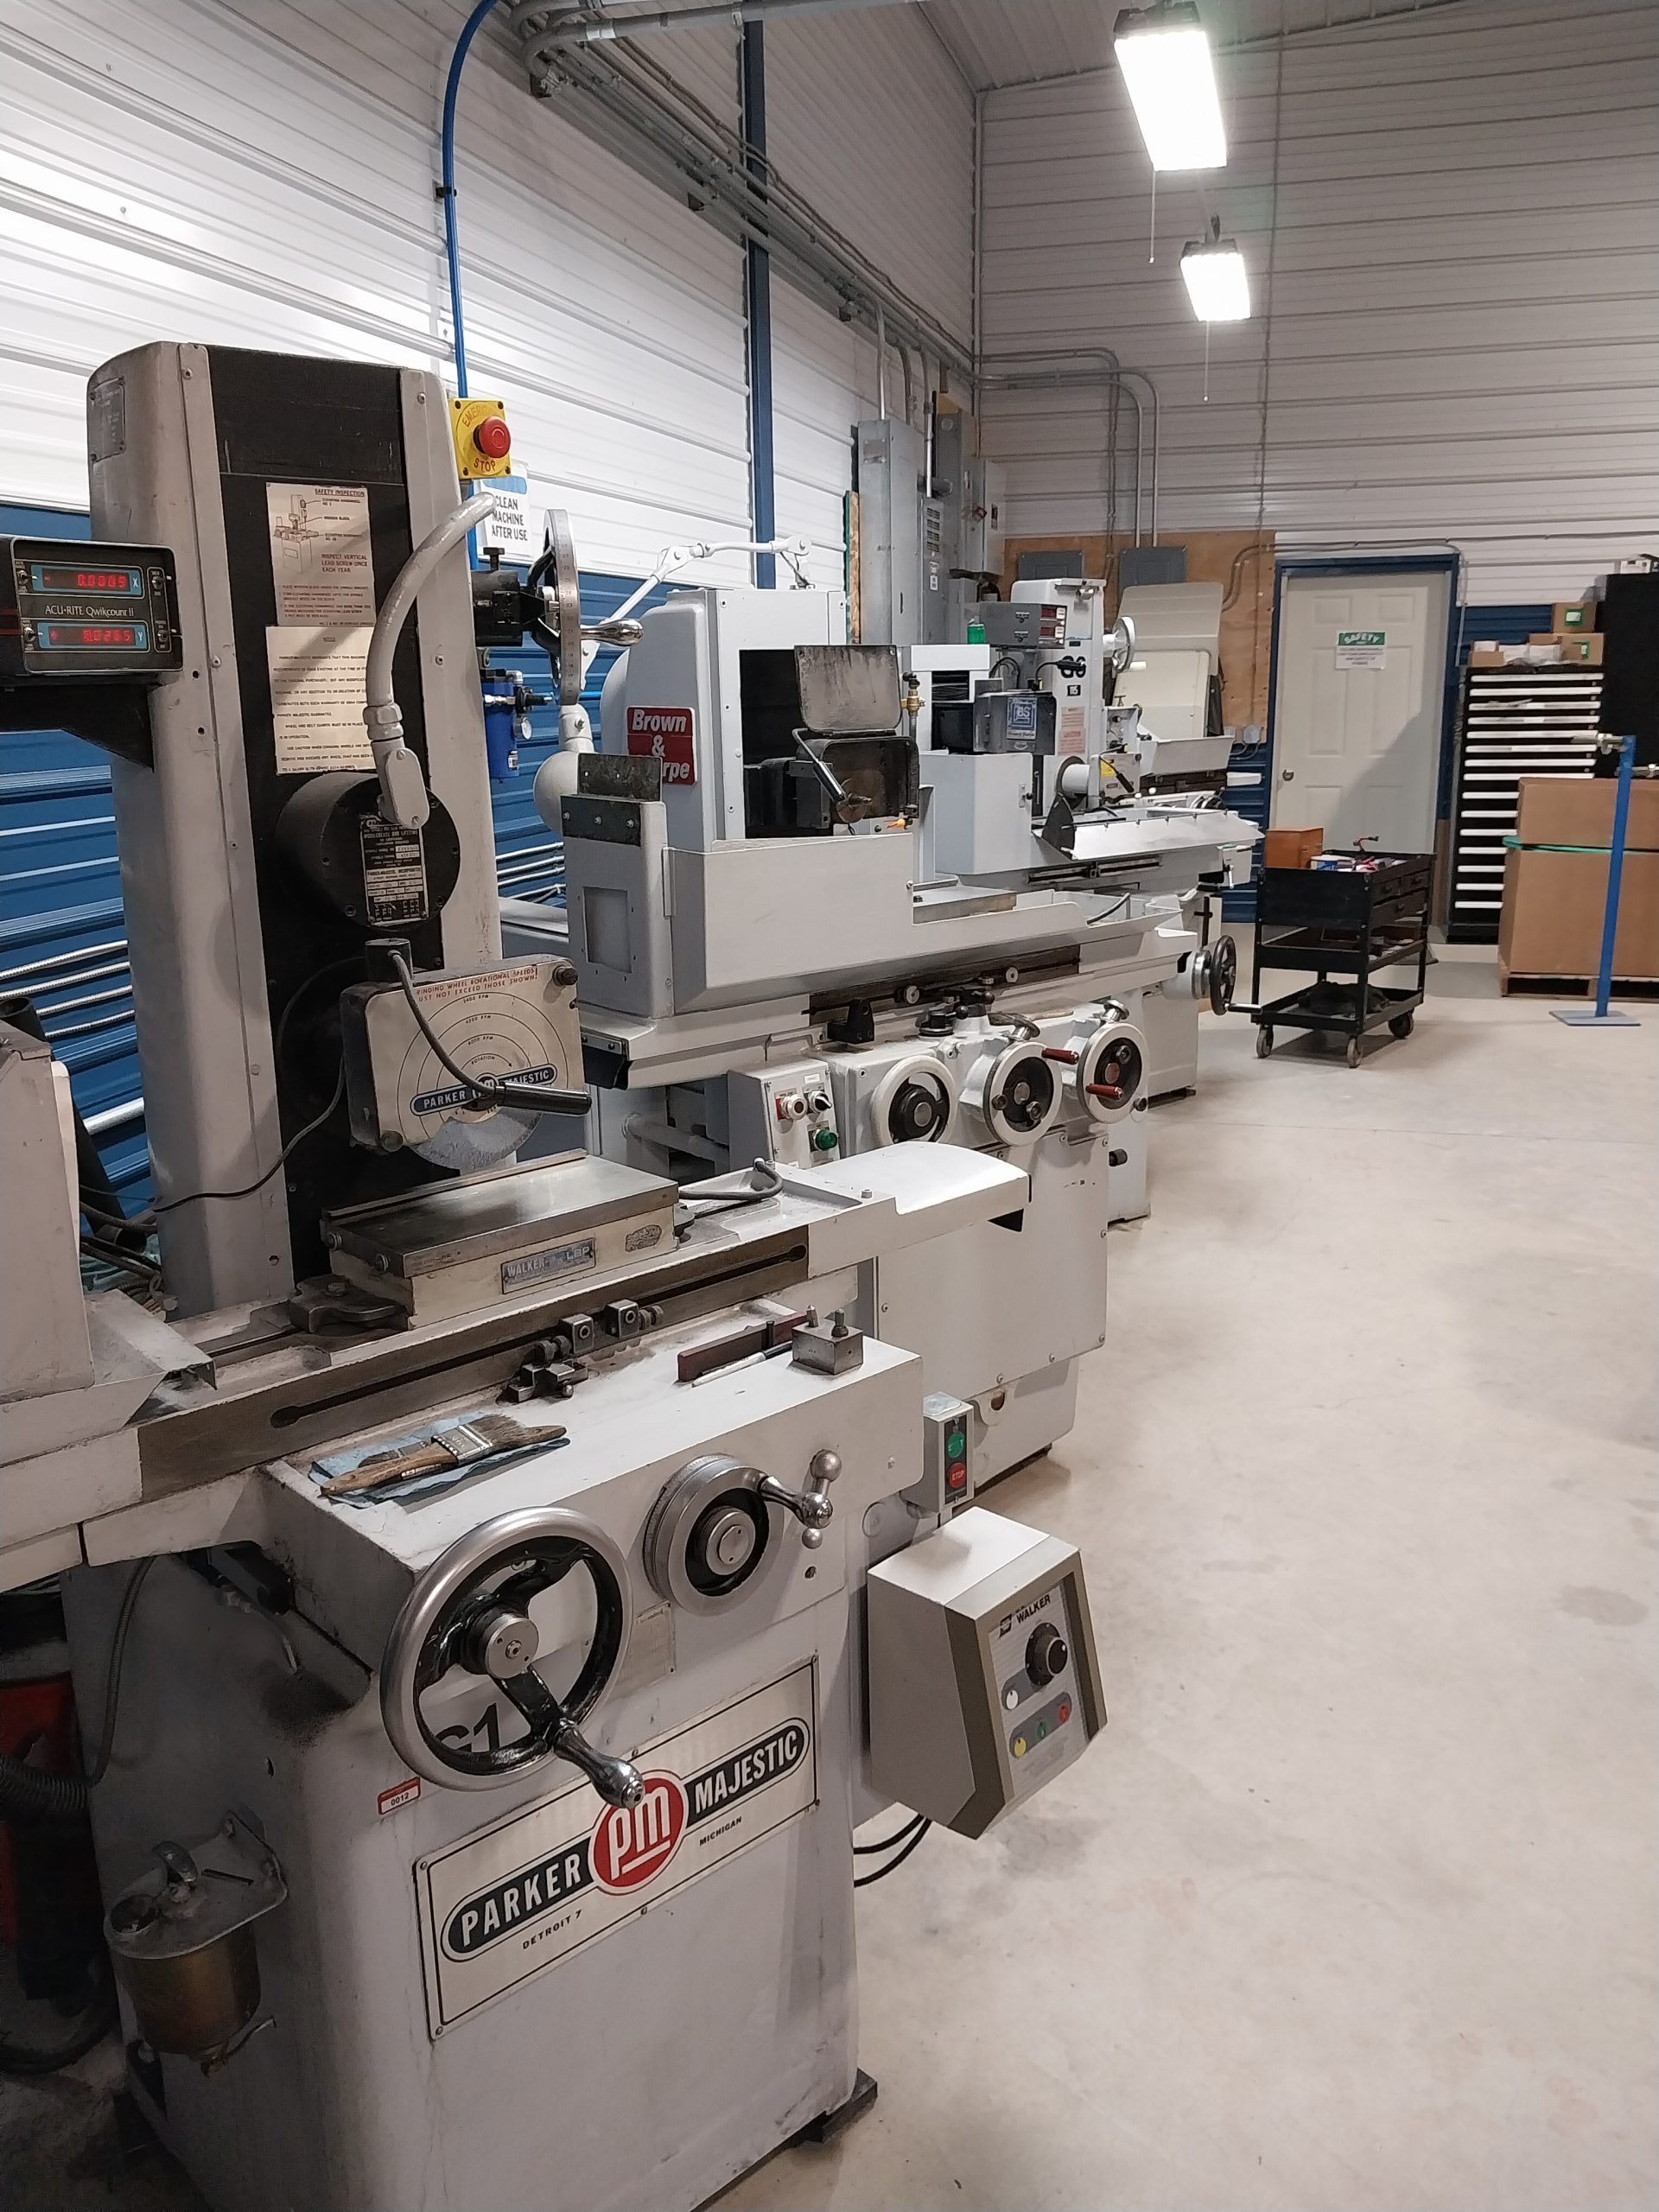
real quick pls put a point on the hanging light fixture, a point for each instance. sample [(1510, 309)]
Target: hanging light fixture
[(1164, 56), (1217, 282)]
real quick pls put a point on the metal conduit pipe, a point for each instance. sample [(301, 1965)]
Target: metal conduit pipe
[(699, 149), (1015, 372), (559, 31), (910, 390), (880, 363)]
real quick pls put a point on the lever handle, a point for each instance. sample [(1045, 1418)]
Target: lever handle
[(811, 1506), (180, 1867), (619, 1782), (1056, 1052), (1109, 1090)]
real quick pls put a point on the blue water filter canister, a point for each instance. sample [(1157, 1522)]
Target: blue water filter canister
[(501, 715)]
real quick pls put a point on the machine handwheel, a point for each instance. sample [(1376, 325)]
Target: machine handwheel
[(1402, 1025), (1263, 1041), (1222, 973), (470, 1609)]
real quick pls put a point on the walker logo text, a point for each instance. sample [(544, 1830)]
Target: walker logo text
[(629, 1846), (665, 733)]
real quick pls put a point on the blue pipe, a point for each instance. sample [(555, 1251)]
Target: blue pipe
[(763, 502), (451, 227), (1615, 876)]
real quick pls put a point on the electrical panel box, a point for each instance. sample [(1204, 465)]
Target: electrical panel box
[(984, 1681), (785, 1115), (891, 460)]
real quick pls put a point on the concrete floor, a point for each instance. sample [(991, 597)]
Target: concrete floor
[(1353, 1909)]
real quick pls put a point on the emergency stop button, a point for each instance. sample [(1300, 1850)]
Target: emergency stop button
[(483, 441)]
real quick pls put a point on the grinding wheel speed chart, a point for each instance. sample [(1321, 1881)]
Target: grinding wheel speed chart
[(493, 1040)]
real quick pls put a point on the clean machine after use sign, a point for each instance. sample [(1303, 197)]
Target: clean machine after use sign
[(524, 1894)]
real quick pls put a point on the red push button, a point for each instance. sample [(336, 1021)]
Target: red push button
[(493, 438), (955, 1474)]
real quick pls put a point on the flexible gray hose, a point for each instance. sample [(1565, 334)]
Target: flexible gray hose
[(403, 787)]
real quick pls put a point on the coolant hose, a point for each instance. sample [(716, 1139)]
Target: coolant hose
[(25, 1794)]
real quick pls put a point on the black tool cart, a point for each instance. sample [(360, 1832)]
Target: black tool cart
[(1341, 923)]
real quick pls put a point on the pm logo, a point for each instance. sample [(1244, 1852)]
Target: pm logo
[(632, 1843)]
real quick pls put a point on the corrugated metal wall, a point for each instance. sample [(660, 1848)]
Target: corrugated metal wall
[(1464, 341), (868, 115), (262, 174)]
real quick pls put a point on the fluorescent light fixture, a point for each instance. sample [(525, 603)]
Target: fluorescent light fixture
[(1217, 281), (1164, 58)]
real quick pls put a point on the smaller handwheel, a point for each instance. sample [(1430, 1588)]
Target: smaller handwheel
[(1222, 975), (1263, 1041), (1401, 1026), (1355, 1052)]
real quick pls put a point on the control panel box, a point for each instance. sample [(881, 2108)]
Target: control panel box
[(1021, 625), (947, 1483), (785, 1115), (984, 1681), (70, 608)]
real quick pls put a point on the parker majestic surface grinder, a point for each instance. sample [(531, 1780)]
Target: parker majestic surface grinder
[(503, 1587)]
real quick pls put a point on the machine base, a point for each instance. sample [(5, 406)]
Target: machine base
[(829, 2124)]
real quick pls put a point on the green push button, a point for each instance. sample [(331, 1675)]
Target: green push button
[(824, 1140)]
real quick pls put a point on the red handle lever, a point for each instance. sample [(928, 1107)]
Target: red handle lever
[(1104, 1091), (1056, 1052)]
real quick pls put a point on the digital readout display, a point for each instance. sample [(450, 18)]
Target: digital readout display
[(130, 582), (79, 635)]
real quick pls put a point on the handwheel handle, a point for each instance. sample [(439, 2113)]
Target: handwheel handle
[(619, 1782)]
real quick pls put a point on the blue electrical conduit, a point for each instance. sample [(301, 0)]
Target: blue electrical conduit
[(451, 227)]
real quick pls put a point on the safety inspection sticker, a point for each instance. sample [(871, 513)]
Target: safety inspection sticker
[(1361, 648), (527, 1893)]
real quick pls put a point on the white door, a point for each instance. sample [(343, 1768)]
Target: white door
[(1357, 707)]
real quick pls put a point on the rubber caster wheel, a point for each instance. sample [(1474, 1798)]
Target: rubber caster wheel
[(1355, 1053), (1402, 1025), (1264, 1044)]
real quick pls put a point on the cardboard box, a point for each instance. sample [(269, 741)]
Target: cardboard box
[(1554, 908), (1578, 649), (1573, 615), (1579, 810), (1488, 656), (1291, 848)]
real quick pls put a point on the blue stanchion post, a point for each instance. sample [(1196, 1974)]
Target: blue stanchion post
[(1579, 1017)]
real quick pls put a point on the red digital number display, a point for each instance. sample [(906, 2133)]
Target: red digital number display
[(90, 633), (128, 581)]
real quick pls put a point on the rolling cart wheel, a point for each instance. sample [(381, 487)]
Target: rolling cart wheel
[(1402, 1025), (1264, 1042), (1355, 1052)]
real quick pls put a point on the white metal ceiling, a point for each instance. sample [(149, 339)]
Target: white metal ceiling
[(998, 42)]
